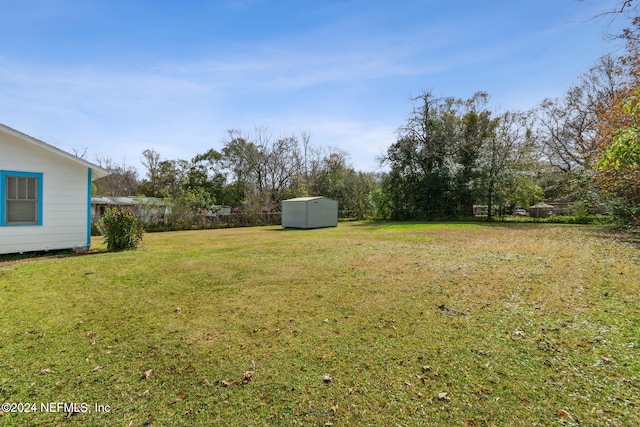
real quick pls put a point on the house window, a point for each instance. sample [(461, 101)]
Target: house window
[(21, 198)]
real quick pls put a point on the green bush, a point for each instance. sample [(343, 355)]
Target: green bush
[(121, 229), (625, 214), (576, 219)]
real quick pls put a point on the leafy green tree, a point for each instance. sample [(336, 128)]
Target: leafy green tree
[(618, 137), (452, 154), (338, 180), (624, 150), (190, 188), (206, 176), (421, 176), (240, 158), (507, 163), (151, 186), (476, 137), (520, 190), (436, 163)]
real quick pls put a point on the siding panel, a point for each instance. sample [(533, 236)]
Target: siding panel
[(64, 199), (310, 212)]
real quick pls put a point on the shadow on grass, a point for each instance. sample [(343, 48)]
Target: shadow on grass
[(40, 255), (435, 224), (628, 236)]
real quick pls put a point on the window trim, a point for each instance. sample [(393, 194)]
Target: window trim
[(3, 198)]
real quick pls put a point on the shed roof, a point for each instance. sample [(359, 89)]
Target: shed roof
[(306, 199), (542, 205), (97, 171)]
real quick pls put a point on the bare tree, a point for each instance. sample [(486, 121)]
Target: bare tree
[(82, 154), (121, 181), (568, 125), (263, 167), (627, 9), (623, 7)]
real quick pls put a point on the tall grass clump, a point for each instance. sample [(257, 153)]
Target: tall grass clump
[(122, 230)]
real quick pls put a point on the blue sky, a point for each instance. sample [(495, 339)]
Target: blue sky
[(117, 77)]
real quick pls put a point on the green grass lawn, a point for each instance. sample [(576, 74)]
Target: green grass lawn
[(389, 324)]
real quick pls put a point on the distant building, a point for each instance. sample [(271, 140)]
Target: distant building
[(541, 210), (149, 210), (220, 210)]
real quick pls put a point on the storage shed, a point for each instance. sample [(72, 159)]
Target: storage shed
[(45, 195), (310, 212), (541, 210)]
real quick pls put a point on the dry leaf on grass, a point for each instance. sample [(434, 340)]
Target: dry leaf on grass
[(146, 374), (562, 414), (248, 376), (444, 396)]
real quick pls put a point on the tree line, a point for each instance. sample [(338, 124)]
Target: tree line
[(450, 155), (254, 171)]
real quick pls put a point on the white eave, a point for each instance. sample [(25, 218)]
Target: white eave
[(97, 171)]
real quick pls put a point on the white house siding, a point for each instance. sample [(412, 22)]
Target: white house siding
[(65, 198)]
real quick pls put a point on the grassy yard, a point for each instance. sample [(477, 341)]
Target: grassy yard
[(363, 324)]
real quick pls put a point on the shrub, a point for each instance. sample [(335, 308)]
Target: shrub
[(624, 214), (121, 229)]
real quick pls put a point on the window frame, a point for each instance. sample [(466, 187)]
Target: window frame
[(4, 175)]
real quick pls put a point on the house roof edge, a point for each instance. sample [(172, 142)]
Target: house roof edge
[(97, 171)]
